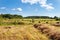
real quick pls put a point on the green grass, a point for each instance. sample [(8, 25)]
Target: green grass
[(24, 21)]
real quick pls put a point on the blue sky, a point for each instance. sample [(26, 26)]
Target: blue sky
[(31, 7)]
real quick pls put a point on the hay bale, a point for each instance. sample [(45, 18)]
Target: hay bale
[(7, 27), (36, 25), (57, 24), (50, 32)]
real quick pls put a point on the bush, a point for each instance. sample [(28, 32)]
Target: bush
[(47, 22), (18, 23), (39, 22)]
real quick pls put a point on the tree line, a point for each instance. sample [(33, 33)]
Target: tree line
[(10, 16)]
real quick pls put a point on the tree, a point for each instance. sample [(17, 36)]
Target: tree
[(56, 18), (9, 16)]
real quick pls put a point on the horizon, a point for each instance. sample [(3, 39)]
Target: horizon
[(31, 7), (29, 15)]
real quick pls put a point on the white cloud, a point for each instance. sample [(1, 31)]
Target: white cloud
[(2, 7), (48, 7), (30, 1), (43, 3), (17, 9)]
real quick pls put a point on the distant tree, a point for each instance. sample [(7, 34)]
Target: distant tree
[(56, 18), (9, 16), (17, 16), (6, 16), (45, 17)]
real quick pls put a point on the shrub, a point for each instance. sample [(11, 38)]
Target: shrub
[(18, 23), (47, 22), (39, 22)]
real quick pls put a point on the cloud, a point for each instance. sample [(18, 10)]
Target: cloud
[(17, 9), (43, 3), (30, 1), (2, 7), (48, 7)]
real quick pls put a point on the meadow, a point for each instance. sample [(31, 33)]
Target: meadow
[(23, 29), (28, 28)]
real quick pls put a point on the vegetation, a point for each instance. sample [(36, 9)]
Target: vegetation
[(17, 27), (10, 16)]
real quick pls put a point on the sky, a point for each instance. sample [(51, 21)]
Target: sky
[(31, 7)]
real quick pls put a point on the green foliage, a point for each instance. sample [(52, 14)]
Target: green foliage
[(57, 18), (44, 17), (9, 16), (18, 23)]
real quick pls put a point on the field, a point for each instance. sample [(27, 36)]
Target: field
[(24, 29)]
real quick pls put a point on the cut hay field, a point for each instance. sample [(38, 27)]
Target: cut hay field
[(23, 29), (26, 32)]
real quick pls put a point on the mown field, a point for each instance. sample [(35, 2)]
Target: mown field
[(25, 21), (23, 29)]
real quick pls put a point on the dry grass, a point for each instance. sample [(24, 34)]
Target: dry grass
[(51, 31), (9, 31), (21, 33)]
